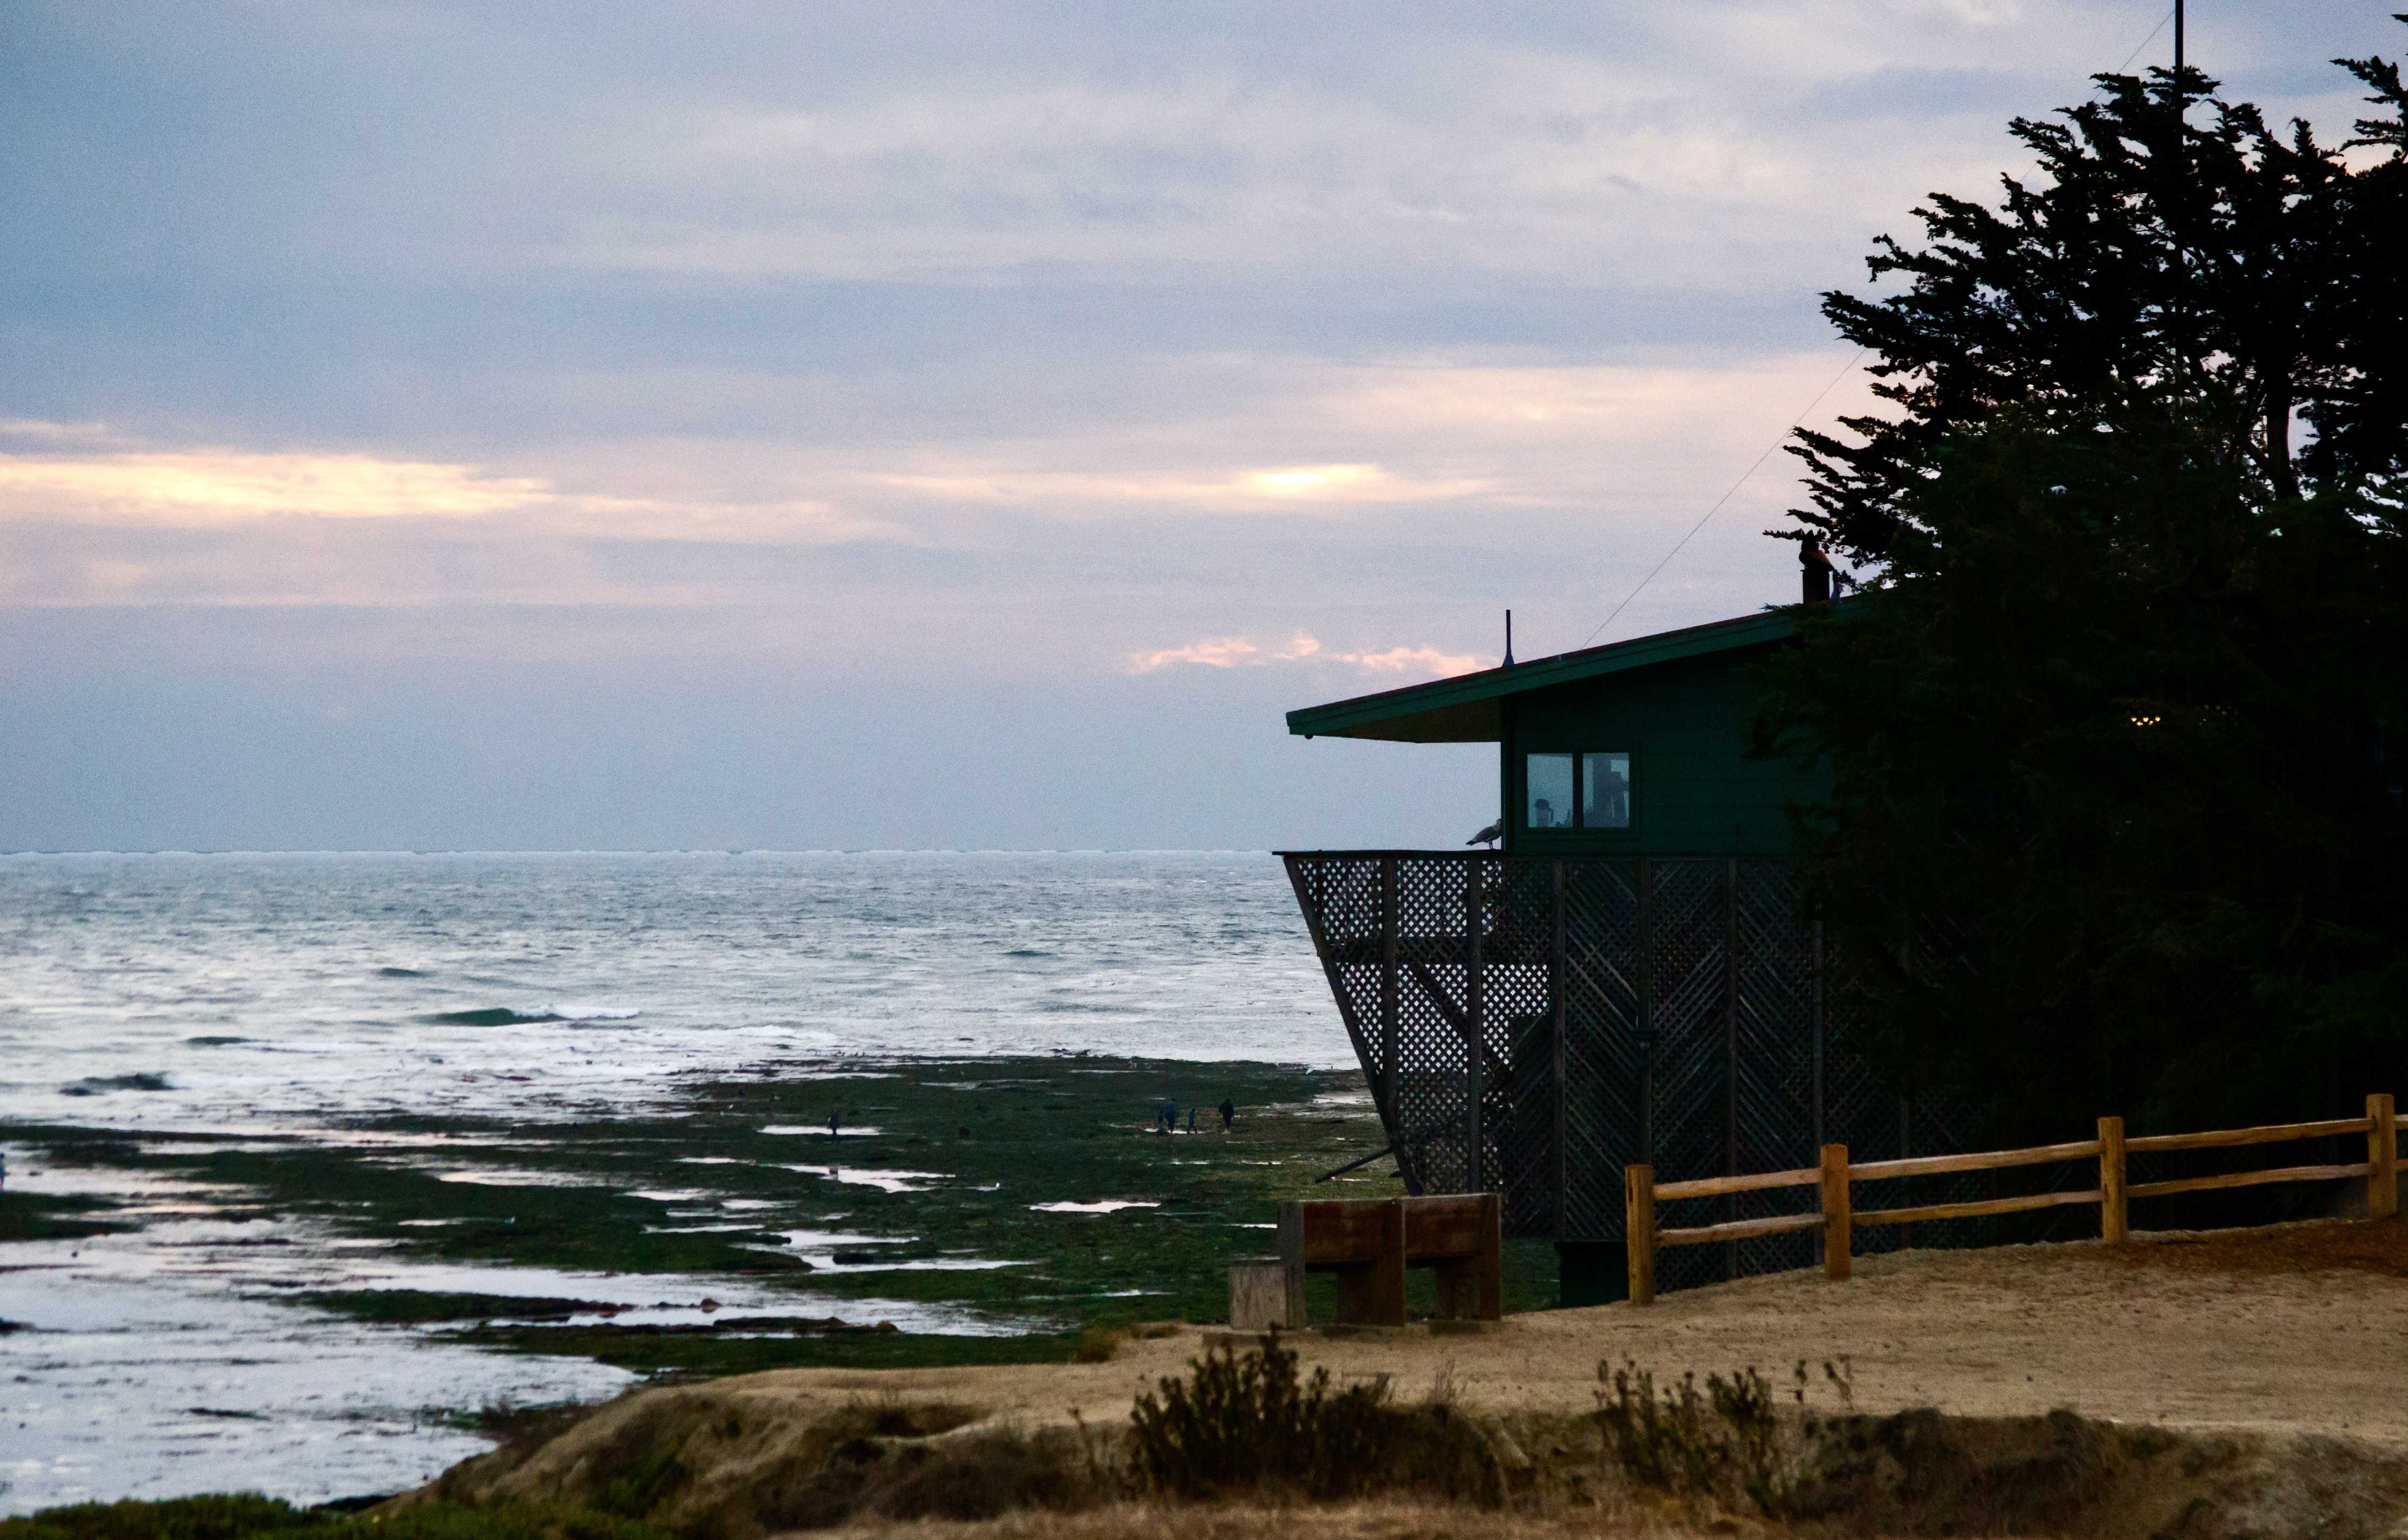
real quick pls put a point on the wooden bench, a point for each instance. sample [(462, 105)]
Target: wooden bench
[(1368, 1242)]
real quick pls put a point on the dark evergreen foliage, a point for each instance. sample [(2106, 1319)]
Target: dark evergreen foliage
[(2174, 245), (2119, 725), (2116, 821)]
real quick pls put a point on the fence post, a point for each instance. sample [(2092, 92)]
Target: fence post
[(1837, 1238), (2113, 1219), (2382, 1157), (1638, 1225)]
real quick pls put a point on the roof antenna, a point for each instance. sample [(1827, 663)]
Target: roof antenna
[(1509, 640)]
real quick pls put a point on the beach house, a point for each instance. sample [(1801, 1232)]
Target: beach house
[(1626, 978)]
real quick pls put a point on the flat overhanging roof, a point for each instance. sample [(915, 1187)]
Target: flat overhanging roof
[(1468, 709)]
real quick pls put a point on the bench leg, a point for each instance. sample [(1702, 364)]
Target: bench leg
[(1291, 1236), (1374, 1294), (1490, 1262), (1458, 1289)]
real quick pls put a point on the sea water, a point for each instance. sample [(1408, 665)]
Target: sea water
[(283, 994)]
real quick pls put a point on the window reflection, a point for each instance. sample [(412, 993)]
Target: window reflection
[(1566, 791), (1605, 791), (1547, 790)]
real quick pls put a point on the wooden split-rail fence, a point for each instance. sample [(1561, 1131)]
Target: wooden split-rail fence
[(2112, 1196)]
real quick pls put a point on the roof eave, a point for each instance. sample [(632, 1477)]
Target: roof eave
[(1465, 709)]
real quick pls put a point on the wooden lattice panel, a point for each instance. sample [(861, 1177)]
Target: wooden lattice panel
[(1530, 1026)]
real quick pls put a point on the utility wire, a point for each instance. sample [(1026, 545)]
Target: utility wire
[(1727, 496), (1751, 470), (2144, 43)]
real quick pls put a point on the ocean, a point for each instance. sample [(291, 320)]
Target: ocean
[(377, 1003)]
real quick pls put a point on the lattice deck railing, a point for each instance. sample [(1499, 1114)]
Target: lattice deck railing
[(1667, 1012)]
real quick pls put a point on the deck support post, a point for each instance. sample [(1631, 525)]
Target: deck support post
[(1645, 961), (1558, 986), (1731, 1052)]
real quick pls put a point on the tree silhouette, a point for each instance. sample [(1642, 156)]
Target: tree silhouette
[(2173, 246)]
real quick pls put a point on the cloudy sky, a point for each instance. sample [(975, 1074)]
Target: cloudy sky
[(691, 426)]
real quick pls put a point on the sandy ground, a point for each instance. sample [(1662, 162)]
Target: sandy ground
[(2300, 1329)]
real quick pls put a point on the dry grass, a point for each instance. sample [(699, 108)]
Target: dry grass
[(1333, 1522), (2212, 1384)]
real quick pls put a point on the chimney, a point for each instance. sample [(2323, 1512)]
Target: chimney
[(1815, 569)]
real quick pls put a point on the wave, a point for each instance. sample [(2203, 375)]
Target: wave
[(505, 1015), (213, 1042), (400, 974), (492, 1015), (100, 1085)]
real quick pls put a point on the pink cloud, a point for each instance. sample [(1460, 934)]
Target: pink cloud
[(1246, 652)]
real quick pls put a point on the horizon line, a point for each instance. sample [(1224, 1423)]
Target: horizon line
[(679, 850)]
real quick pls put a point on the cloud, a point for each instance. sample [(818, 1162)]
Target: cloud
[(1271, 489), (43, 432), (205, 488), (1239, 652), (1406, 660), (1226, 653), (212, 486)]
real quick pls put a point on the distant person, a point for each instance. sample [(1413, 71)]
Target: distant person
[(1169, 1116), (1228, 1115)]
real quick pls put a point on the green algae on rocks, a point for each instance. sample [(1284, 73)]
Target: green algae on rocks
[(1033, 1197)]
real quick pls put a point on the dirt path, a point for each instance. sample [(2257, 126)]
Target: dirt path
[(2300, 1329)]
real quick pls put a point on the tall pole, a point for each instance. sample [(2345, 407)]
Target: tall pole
[(2178, 44)]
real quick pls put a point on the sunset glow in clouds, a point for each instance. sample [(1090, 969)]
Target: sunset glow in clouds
[(1245, 652), (211, 486)]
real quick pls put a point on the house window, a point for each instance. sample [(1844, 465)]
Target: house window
[(1547, 791), (1605, 791), (1576, 791)]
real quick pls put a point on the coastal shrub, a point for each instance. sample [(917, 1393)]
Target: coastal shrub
[(490, 1521), (1922, 1472), (892, 1417), (1916, 1472), (248, 1515), (520, 1430), (983, 1474), (1725, 1441), (225, 1516), (1247, 1421), (1250, 1422)]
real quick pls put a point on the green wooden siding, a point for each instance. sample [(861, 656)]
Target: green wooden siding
[(1694, 791)]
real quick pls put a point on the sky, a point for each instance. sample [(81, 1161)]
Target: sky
[(723, 426)]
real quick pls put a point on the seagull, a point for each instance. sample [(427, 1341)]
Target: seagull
[(1489, 836)]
